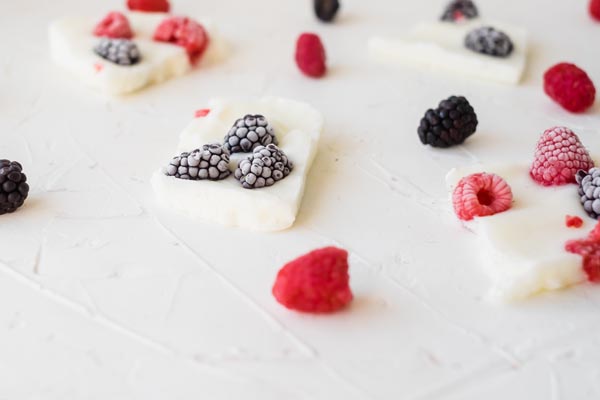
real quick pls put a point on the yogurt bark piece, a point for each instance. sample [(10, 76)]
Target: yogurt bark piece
[(440, 46), (298, 128), (523, 249)]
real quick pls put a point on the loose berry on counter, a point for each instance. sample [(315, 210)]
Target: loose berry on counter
[(589, 191), (480, 195), (266, 166), (450, 124), (310, 55), (326, 9), (570, 86), (573, 221), (210, 162), (13, 186), (589, 250), (594, 9), (184, 32), (317, 282), (559, 154), (149, 5), (119, 51), (249, 132), (115, 26), (490, 41), (459, 10)]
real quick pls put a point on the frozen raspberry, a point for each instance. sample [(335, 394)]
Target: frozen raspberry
[(310, 55), (149, 5), (589, 249), (558, 156), (115, 26), (573, 221), (569, 86), (317, 282), (595, 9), (183, 32), (480, 195)]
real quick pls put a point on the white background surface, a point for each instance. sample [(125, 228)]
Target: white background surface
[(104, 296)]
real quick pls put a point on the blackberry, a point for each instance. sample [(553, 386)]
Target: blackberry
[(589, 191), (13, 186), (490, 41), (450, 124), (210, 162), (457, 10), (326, 9), (118, 51), (264, 167), (249, 132)]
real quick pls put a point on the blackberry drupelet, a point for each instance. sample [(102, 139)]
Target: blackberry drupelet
[(457, 10), (264, 167), (13, 186), (249, 132), (490, 41), (450, 124), (589, 191), (210, 162), (326, 9), (118, 51)]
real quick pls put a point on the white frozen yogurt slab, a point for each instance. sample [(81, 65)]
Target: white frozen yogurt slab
[(439, 46), (297, 127), (523, 249)]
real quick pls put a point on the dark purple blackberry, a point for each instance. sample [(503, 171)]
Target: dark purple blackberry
[(450, 124), (249, 132), (326, 9), (264, 167), (118, 51), (210, 162), (490, 41), (589, 191), (13, 186), (458, 10)]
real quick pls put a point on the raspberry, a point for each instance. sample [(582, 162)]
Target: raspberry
[(149, 5), (480, 195), (589, 249), (595, 9), (558, 156), (570, 86), (573, 221), (310, 55), (317, 282), (183, 32), (115, 26)]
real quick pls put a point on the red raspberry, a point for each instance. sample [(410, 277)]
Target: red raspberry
[(115, 25), (570, 87), (183, 32), (149, 5), (595, 9), (558, 156), (480, 195), (310, 55), (316, 282), (573, 221), (589, 249)]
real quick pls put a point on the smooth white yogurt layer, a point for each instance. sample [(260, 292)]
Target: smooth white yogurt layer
[(522, 249), (439, 46), (298, 128)]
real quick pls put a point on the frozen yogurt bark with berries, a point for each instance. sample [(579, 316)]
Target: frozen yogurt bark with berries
[(120, 53), (242, 163), (461, 43)]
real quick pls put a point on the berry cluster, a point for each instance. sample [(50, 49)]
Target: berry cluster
[(570, 86), (589, 191), (263, 168), (13, 186), (183, 32), (490, 41), (118, 51), (450, 124), (480, 195), (115, 26), (458, 10), (210, 162), (249, 132)]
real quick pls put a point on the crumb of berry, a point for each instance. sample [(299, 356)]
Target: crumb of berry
[(559, 154), (573, 221), (589, 250), (481, 195), (448, 125), (265, 167), (119, 51), (210, 162), (589, 191), (249, 132), (595, 9), (310, 55), (326, 9), (202, 113), (13, 186), (317, 282), (149, 5), (570, 86), (459, 10), (115, 26), (489, 41), (186, 33)]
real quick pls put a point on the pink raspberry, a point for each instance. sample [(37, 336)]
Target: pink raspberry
[(115, 25), (317, 282), (589, 249), (570, 86), (183, 32), (595, 9), (310, 55), (480, 195), (149, 5), (559, 154)]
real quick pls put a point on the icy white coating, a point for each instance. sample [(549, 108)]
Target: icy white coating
[(225, 202), (72, 42), (439, 46), (523, 248)]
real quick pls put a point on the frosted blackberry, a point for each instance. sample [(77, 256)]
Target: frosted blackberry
[(118, 51), (249, 132), (210, 162), (264, 167), (490, 41), (458, 10), (448, 125), (589, 191), (326, 9), (13, 186)]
